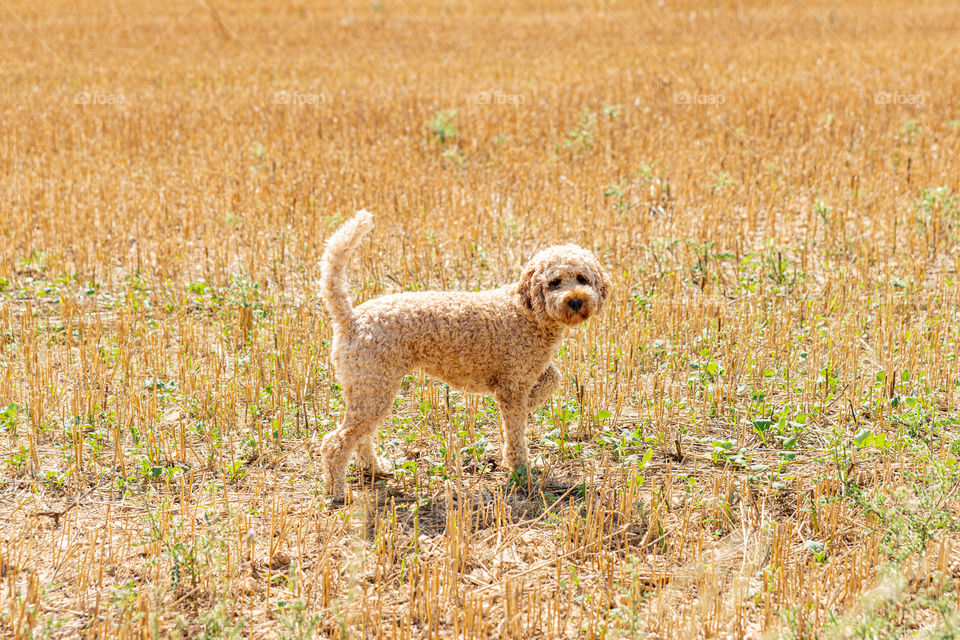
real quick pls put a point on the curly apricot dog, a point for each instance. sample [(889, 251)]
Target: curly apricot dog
[(498, 341)]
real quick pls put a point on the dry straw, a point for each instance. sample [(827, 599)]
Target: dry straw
[(758, 438)]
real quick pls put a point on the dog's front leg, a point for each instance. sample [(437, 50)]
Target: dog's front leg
[(513, 409), (547, 383)]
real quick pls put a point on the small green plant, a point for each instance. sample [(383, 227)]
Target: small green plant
[(818, 549), (618, 191), (234, 471), (440, 127), (521, 477), (910, 129), (296, 623), (722, 180), (124, 596), (867, 438), (216, 624), (822, 209), (18, 459), (612, 111), (477, 451), (244, 292), (645, 184), (582, 135), (35, 262), (780, 270), (935, 202), (8, 418), (706, 370)]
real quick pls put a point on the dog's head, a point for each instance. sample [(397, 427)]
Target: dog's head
[(564, 284)]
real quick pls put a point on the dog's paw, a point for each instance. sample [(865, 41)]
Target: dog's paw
[(334, 502), (379, 467), (335, 488)]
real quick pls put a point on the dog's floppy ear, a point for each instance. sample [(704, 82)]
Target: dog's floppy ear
[(526, 286), (603, 284)]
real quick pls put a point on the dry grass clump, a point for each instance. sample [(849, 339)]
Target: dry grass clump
[(758, 438)]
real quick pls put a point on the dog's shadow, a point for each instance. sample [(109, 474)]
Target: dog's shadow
[(495, 500)]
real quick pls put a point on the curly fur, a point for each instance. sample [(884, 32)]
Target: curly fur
[(499, 341), (333, 265)]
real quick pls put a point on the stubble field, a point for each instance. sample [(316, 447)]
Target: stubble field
[(758, 437)]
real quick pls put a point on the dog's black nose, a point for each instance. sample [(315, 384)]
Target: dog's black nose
[(575, 304)]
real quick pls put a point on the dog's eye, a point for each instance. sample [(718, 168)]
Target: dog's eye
[(582, 280), (554, 283)]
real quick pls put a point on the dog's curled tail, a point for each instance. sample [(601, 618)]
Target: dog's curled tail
[(333, 265)]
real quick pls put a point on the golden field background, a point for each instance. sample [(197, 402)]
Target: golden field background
[(757, 438)]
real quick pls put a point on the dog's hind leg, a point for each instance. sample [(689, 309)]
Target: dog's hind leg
[(368, 401)]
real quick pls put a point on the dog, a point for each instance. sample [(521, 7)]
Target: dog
[(498, 341)]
